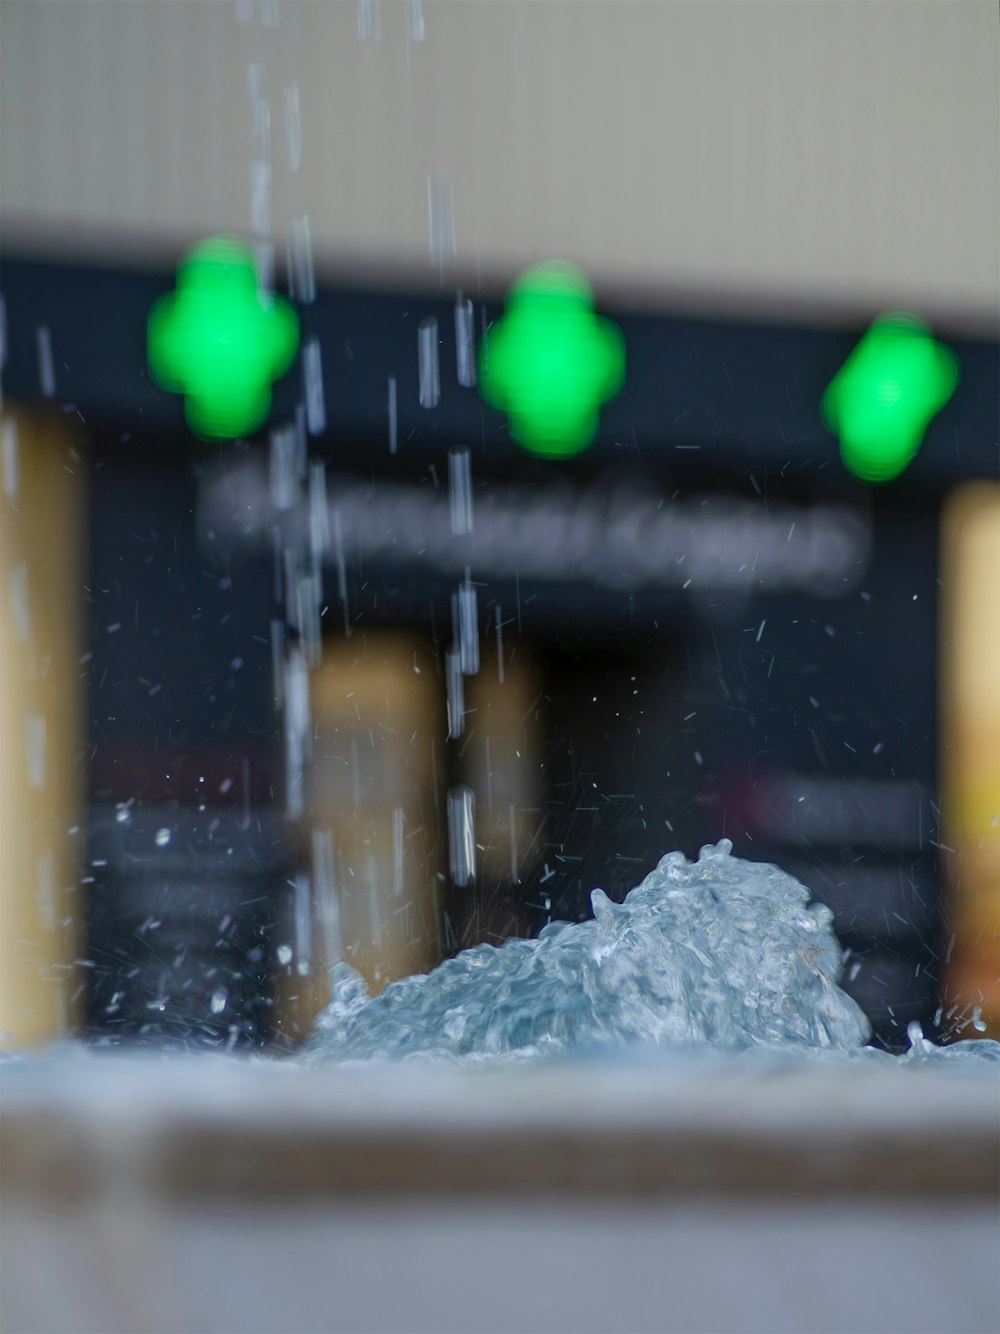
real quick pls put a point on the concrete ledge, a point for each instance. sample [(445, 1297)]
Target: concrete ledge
[(191, 1128)]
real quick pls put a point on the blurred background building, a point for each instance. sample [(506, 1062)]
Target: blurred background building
[(378, 678), (747, 187)]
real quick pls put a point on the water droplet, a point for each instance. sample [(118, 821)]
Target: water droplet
[(162, 837)]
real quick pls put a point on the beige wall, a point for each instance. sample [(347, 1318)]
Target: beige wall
[(835, 153)]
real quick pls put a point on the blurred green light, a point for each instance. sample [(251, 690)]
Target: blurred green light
[(551, 362), (220, 341), (880, 401)]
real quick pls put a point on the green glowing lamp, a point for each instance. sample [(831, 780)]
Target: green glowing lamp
[(220, 341), (550, 362), (880, 401)]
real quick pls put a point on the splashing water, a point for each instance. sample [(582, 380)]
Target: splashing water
[(719, 951)]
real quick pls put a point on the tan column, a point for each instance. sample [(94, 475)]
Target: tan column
[(970, 752), (372, 830), (41, 761)]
